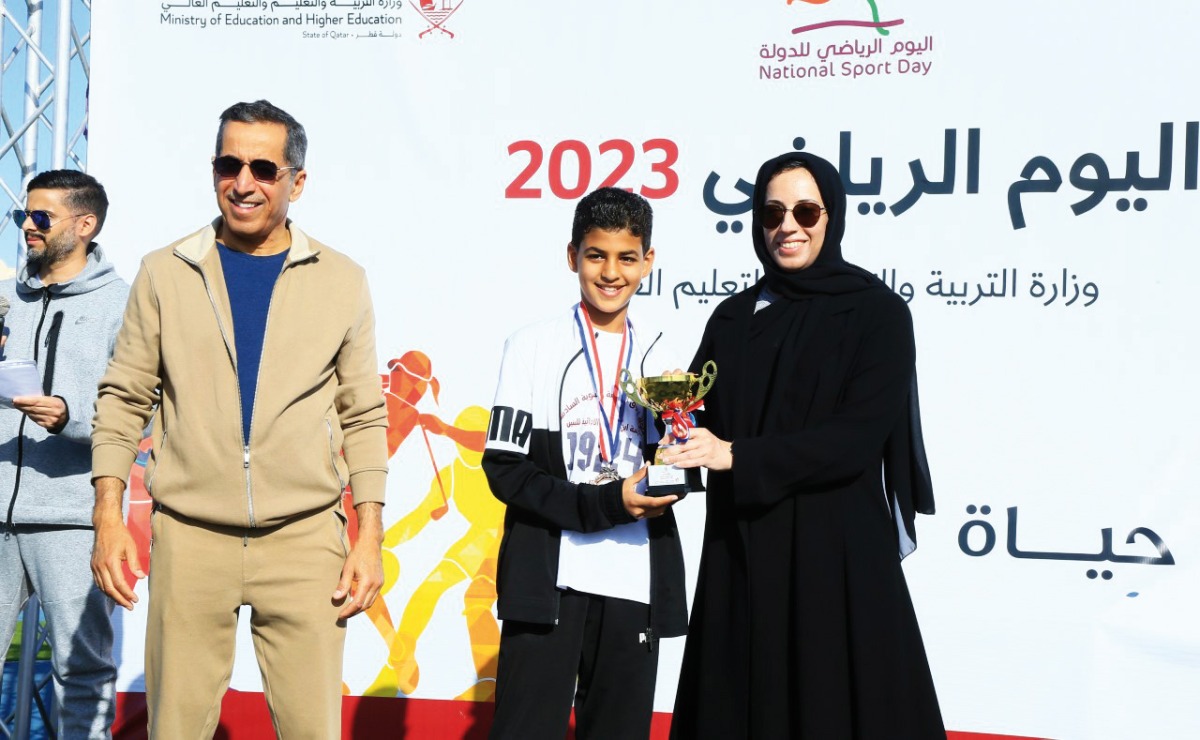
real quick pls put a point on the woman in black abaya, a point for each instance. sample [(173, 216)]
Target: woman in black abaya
[(802, 627)]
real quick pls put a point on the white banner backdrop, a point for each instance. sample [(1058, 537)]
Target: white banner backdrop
[(1024, 174)]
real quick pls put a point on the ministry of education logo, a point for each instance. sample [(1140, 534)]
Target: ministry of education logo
[(436, 13)]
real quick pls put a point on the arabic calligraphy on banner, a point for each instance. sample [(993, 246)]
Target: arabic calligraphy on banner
[(334, 19), (867, 60), (977, 538), (1090, 175), (1061, 287)]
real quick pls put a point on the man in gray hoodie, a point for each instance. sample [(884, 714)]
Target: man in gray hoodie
[(66, 306)]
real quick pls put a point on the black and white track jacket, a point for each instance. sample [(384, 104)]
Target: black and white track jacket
[(524, 464)]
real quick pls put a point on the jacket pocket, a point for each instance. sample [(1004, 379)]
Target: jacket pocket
[(157, 454), (339, 523), (335, 457), (154, 534)]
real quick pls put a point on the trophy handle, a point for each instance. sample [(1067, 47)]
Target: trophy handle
[(707, 378), (630, 389)]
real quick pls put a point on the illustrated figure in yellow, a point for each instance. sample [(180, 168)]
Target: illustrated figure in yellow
[(472, 557)]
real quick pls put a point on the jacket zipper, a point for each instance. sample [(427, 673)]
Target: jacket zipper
[(249, 492), (237, 387), (651, 637), (37, 341), (245, 435)]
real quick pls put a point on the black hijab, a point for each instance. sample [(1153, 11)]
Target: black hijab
[(829, 274), (907, 481)]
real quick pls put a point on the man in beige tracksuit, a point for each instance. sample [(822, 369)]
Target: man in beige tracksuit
[(252, 345)]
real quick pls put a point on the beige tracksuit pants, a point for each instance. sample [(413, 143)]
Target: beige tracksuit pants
[(200, 575)]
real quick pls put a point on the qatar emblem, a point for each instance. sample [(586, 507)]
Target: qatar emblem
[(436, 13)]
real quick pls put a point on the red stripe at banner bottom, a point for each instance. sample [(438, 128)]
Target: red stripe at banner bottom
[(244, 716)]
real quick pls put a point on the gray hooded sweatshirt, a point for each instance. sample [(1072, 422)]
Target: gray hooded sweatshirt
[(69, 329)]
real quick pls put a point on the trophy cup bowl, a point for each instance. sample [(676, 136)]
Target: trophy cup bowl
[(659, 390), (673, 397)]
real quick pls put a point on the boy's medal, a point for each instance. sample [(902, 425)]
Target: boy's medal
[(610, 426), (608, 472)]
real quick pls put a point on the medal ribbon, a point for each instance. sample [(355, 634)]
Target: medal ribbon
[(609, 421)]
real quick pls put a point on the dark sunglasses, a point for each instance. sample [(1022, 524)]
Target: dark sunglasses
[(41, 219), (263, 170), (806, 214)]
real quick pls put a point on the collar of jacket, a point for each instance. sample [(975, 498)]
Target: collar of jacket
[(200, 244)]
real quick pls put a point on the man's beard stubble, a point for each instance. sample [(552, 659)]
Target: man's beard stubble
[(54, 249)]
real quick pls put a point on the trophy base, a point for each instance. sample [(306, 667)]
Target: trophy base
[(666, 480)]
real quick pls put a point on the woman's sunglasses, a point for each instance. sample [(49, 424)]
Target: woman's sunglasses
[(806, 214), (263, 170)]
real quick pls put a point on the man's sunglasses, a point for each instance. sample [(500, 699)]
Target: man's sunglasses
[(40, 219), (806, 214), (263, 170)]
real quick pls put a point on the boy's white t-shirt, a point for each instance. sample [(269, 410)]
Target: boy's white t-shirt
[(616, 561)]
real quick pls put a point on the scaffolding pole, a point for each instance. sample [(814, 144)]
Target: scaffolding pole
[(45, 83)]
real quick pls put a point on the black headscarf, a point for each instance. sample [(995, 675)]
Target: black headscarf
[(906, 468), (829, 274)]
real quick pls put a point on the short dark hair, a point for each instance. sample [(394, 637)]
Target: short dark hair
[(261, 111), (612, 209), (84, 193)]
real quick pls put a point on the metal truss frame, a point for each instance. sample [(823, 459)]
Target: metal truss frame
[(44, 78)]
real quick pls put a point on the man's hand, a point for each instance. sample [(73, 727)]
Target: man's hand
[(362, 575), (48, 412), (639, 506), (114, 545)]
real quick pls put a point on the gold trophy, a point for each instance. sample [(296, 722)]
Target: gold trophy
[(674, 398)]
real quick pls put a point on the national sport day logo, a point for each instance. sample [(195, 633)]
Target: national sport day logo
[(843, 39), (436, 13), (880, 26)]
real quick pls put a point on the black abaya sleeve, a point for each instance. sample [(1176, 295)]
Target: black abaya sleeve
[(838, 447), (703, 355)]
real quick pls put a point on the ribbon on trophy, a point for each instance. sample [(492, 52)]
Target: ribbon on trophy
[(678, 416)]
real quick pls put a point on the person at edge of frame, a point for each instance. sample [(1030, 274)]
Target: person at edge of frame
[(65, 309)]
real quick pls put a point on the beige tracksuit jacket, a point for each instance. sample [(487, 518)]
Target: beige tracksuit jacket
[(319, 419)]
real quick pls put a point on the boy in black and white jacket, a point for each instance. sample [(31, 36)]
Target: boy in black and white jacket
[(591, 570)]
